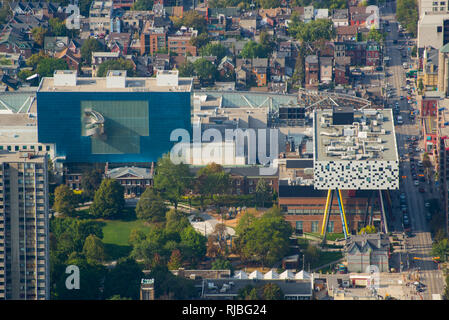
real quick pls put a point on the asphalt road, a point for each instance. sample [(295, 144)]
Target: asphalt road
[(419, 245)]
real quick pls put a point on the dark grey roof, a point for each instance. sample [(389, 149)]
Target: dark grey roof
[(286, 191), (376, 241), (299, 163)]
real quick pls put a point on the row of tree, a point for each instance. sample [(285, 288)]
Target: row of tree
[(108, 201), (407, 15)]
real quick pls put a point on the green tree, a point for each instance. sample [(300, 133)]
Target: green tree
[(272, 291), (91, 180), (312, 254), (38, 34), (222, 264), (266, 240), (191, 19), (169, 286), (124, 280), (214, 49), (407, 15), (136, 236), (376, 35), (57, 27), (47, 66), (172, 180), (253, 49), (151, 206), (441, 249), (84, 6), (268, 4), (118, 297), (200, 41), (320, 29), (205, 69), (193, 243), (34, 59), (262, 192), (244, 222), (89, 46), (65, 200), (175, 222), (108, 201), (420, 85), (187, 69), (94, 249), (249, 292), (143, 5), (119, 64), (212, 179), (175, 260), (91, 276), (5, 14)]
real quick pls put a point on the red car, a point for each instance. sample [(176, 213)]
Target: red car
[(422, 190)]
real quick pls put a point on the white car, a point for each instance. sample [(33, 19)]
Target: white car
[(416, 183)]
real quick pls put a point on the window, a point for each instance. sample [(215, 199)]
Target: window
[(47, 148), (314, 226), (299, 225), (439, 29), (40, 148), (330, 226)]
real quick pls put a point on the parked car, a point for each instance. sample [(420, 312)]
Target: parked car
[(422, 190)]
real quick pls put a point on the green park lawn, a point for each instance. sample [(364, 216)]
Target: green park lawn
[(116, 234)]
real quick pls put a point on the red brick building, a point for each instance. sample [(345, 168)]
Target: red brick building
[(312, 72), (151, 42), (181, 45)]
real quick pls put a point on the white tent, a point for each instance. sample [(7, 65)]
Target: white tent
[(287, 274), (240, 275), (303, 275), (270, 275), (256, 274)]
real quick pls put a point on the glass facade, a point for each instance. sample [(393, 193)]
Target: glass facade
[(137, 125)]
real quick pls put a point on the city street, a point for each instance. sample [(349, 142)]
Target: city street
[(419, 244)]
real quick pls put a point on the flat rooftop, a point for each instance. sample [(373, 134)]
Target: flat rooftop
[(132, 85), (38, 157), (18, 128), (370, 137)]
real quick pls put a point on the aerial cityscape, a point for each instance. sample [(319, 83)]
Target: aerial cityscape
[(224, 150)]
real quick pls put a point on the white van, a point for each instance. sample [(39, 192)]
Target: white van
[(405, 65), (400, 121)]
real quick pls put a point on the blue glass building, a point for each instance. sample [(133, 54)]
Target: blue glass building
[(91, 122)]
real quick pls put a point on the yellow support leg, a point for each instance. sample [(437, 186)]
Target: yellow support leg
[(326, 209), (343, 211)]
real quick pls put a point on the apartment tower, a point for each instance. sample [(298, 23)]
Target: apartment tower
[(24, 226)]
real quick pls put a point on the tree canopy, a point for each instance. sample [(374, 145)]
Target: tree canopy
[(119, 64), (214, 49), (407, 15), (266, 239), (124, 280), (93, 249), (311, 31), (172, 180), (151, 206), (109, 201), (89, 46), (253, 49), (47, 66), (90, 182), (65, 200)]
